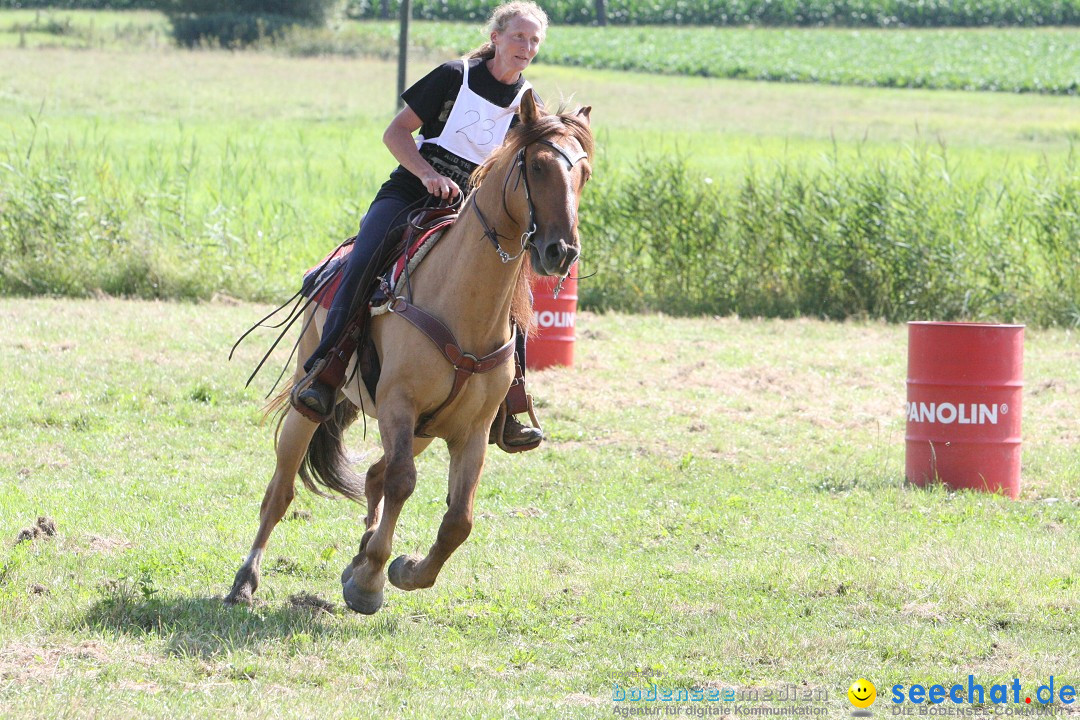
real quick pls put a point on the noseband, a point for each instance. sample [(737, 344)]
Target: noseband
[(571, 158)]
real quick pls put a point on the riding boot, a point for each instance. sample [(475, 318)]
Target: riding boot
[(506, 431), (315, 396)]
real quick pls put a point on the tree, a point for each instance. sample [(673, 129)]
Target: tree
[(244, 21)]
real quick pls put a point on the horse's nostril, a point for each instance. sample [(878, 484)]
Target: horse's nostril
[(554, 251)]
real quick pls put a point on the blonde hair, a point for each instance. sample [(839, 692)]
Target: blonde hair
[(500, 19)]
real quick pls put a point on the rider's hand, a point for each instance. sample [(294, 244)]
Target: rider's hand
[(440, 186)]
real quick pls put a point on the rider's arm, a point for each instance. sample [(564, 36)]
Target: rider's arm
[(399, 139)]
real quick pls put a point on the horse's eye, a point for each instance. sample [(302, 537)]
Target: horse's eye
[(536, 167)]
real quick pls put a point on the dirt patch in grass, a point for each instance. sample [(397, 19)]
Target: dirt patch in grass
[(25, 664), (44, 527), (146, 687), (312, 602), (583, 700), (722, 379), (923, 611), (107, 545)]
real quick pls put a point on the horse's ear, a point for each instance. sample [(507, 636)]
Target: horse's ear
[(527, 110), (583, 113)]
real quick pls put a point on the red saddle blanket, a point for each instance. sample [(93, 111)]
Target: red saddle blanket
[(321, 282)]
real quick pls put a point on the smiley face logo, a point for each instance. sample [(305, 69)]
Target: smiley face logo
[(862, 693)]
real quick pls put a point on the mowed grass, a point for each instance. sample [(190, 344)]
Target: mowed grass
[(730, 514)]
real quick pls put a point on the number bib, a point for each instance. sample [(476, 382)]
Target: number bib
[(475, 126)]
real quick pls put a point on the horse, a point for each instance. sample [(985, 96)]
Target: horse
[(525, 202)]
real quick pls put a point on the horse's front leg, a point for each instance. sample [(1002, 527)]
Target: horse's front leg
[(363, 580), (409, 572), (291, 446)]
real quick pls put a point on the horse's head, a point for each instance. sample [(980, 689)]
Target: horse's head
[(545, 164), (555, 167)]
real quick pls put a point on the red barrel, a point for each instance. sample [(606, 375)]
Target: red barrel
[(554, 344), (963, 405)]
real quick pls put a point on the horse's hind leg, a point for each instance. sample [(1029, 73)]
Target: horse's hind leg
[(409, 572), (292, 444), (373, 492)]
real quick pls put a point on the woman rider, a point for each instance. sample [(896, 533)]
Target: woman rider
[(463, 110)]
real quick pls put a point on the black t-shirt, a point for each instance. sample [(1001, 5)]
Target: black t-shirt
[(432, 98)]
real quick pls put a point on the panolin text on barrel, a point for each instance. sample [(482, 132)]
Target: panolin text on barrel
[(948, 413), (549, 318)]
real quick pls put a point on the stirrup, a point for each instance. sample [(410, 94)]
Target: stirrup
[(306, 382), (499, 427)]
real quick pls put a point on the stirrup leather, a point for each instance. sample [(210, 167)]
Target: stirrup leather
[(331, 369)]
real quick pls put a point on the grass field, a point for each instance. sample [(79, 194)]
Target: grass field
[(732, 515)]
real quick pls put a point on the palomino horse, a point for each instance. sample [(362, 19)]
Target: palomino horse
[(526, 198)]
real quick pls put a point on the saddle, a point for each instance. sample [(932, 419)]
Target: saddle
[(322, 282)]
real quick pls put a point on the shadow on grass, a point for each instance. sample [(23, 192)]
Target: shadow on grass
[(206, 627)]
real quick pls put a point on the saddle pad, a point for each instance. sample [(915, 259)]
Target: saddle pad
[(326, 276)]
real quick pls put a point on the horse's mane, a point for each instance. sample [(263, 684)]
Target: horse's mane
[(562, 124)]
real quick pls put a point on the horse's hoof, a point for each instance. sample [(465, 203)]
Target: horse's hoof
[(347, 572), (359, 601), (238, 598), (243, 588), (393, 573)]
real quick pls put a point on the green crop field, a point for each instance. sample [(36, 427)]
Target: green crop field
[(1011, 60), (858, 13)]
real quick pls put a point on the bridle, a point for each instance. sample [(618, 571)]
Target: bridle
[(570, 157)]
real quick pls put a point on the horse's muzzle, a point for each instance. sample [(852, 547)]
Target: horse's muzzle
[(555, 257)]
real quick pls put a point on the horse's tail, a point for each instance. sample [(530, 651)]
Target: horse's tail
[(325, 462)]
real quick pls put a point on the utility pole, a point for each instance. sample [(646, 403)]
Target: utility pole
[(403, 51)]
